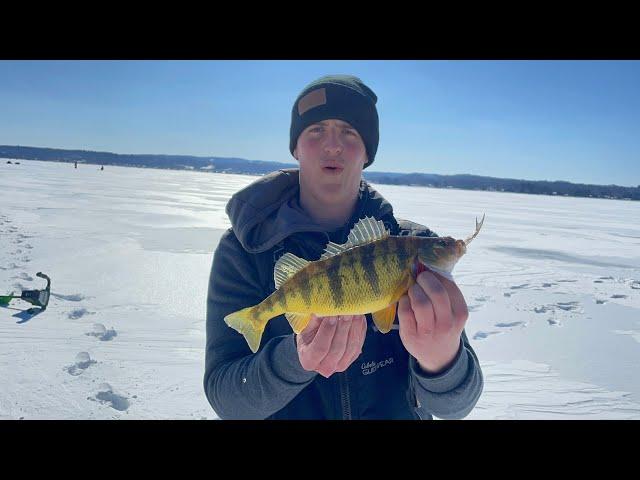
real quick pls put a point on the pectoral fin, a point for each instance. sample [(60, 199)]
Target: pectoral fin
[(384, 318), (298, 321)]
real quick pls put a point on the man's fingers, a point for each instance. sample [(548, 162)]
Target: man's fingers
[(458, 303), (437, 293), (362, 335), (406, 318), (338, 346), (351, 347), (422, 308), (311, 329), (354, 344), (334, 347), (320, 345), (364, 325), (349, 361)]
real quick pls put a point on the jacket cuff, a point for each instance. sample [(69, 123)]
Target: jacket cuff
[(443, 381), (286, 363)]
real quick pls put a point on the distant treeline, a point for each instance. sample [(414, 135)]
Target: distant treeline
[(539, 187), (258, 167), (172, 162)]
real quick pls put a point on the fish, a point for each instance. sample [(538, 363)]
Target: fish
[(366, 274)]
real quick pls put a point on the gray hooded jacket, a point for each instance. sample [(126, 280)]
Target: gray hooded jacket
[(385, 382)]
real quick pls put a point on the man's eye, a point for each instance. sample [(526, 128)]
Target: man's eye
[(350, 132)]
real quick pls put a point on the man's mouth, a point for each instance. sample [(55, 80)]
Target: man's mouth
[(332, 169)]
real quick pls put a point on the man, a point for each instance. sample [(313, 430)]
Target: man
[(337, 367)]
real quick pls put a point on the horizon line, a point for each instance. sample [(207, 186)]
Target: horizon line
[(294, 165)]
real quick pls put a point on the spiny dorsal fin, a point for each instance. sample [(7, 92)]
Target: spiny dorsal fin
[(366, 230), (286, 267)]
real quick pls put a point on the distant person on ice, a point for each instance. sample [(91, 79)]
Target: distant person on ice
[(337, 367)]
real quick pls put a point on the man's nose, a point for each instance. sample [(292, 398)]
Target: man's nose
[(333, 145)]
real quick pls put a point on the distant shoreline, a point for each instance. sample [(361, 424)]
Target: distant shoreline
[(242, 166)]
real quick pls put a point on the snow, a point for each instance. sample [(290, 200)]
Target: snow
[(552, 284)]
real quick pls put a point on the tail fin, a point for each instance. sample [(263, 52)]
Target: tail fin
[(248, 324)]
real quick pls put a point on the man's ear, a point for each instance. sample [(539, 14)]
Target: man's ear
[(295, 153)]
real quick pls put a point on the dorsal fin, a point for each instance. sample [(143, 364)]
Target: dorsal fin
[(286, 267), (366, 230)]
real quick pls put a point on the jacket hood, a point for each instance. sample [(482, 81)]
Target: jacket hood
[(264, 213)]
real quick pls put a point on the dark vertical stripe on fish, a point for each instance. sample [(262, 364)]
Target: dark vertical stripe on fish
[(335, 280), (349, 263), (367, 260), (255, 314), (357, 261), (393, 257), (382, 248), (266, 306), (381, 255), (401, 253), (305, 285), (281, 296)]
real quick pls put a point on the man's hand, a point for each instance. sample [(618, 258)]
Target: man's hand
[(432, 317), (330, 344)]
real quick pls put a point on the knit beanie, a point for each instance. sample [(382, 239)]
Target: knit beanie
[(343, 97)]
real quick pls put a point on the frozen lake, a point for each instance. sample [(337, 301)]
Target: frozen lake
[(552, 284)]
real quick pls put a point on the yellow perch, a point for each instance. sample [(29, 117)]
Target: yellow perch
[(367, 274)]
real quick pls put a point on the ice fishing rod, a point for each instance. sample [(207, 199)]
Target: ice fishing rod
[(39, 298)]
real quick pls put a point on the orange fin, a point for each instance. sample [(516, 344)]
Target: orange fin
[(384, 318), (298, 321)]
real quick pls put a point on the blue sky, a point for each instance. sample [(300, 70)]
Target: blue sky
[(540, 120)]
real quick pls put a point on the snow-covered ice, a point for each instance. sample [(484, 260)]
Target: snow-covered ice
[(552, 285)]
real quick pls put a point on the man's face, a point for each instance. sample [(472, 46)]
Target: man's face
[(331, 156)]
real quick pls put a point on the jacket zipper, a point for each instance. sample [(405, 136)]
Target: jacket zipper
[(414, 396), (344, 396)]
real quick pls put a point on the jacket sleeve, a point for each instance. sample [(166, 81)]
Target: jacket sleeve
[(451, 394), (238, 383)]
